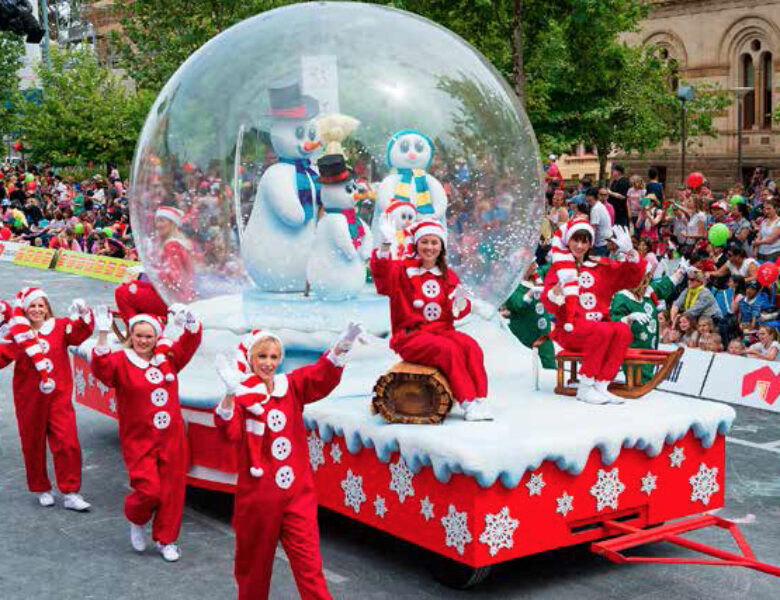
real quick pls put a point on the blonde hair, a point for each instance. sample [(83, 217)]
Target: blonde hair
[(264, 340), (637, 181)]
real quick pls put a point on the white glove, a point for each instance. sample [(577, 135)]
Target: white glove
[(622, 239), (103, 319), (636, 317), (386, 230), (183, 317), (228, 374), (459, 297), (347, 338), (78, 308)]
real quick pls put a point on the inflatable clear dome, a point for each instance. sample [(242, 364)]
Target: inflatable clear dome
[(229, 186)]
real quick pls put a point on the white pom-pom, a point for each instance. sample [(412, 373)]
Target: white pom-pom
[(169, 377), (568, 327), (418, 303), (133, 288), (255, 472)]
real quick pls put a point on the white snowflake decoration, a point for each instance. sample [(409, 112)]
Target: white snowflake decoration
[(607, 489), (335, 452), (401, 479), (704, 484), (499, 531), (90, 380), (535, 485), (353, 491), (565, 504), (676, 457), (80, 381), (426, 508), (456, 529), (316, 456), (380, 507), (103, 388), (649, 483)]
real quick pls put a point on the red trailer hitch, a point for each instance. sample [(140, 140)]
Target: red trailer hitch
[(632, 537)]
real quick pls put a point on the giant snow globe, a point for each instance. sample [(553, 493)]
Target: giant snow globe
[(228, 198)]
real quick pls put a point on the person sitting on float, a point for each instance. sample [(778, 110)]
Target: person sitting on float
[(425, 299), (151, 429), (275, 495), (577, 292)]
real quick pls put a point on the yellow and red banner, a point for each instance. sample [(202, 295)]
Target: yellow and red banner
[(33, 256), (93, 265)]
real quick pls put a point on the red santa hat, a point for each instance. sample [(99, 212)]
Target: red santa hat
[(173, 214), (429, 227), (162, 346), (145, 318), (246, 345), (20, 330)]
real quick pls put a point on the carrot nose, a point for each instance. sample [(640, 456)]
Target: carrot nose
[(309, 146)]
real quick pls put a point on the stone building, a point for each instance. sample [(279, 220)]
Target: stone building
[(731, 44)]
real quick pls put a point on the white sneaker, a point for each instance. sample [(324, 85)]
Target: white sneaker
[(76, 502), (137, 537), (477, 410), (46, 499), (170, 552), (587, 392), (603, 388)]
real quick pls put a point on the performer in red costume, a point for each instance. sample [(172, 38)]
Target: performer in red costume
[(49, 416), (174, 264), (582, 319), (151, 429), (275, 497), (138, 296), (425, 299)]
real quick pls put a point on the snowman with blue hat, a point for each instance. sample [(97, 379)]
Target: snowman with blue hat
[(279, 235), (409, 153)]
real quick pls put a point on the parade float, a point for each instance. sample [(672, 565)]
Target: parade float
[(232, 142)]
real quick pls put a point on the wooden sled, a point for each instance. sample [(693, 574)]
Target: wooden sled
[(414, 394), (634, 360)]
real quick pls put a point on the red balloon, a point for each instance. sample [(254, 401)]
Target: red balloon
[(17, 146), (777, 262), (188, 167), (767, 274), (30, 185), (695, 180)]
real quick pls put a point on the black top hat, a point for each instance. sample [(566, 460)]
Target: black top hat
[(333, 168), (287, 101)]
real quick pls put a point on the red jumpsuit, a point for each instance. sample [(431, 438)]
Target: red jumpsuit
[(280, 503), (51, 417), (602, 342), (423, 323), (139, 297), (176, 271), (151, 433)]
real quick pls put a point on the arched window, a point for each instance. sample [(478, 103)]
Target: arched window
[(749, 101), (766, 89)]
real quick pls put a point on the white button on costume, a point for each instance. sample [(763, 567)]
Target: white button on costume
[(154, 375), (276, 420), (281, 448), (285, 477), (432, 311), (161, 419), (431, 288), (160, 397)]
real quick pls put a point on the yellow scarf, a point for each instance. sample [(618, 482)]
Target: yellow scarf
[(691, 296)]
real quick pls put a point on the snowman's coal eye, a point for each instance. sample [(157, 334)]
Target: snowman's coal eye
[(312, 133), (404, 146), (300, 131), (419, 146), (349, 188)]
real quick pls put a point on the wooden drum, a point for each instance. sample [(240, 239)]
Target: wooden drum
[(410, 393)]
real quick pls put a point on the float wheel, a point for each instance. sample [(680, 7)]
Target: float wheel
[(456, 575)]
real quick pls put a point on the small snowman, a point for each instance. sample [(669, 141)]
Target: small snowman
[(342, 244), (409, 153), (402, 215), (279, 235)]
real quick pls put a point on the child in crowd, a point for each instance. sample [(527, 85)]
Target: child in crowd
[(767, 346), (687, 331), (737, 348), (709, 340)]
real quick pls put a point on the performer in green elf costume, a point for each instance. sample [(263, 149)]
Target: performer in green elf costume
[(638, 308), (528, 319)]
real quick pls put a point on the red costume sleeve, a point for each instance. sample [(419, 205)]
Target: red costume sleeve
[(314, 382), (185, 347), (230, 428), (103, 366), (625, 275), (8, 353), (384, 272), (550, 303), (80, 330)]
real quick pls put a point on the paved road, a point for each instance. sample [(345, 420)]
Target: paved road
[(53, 553)]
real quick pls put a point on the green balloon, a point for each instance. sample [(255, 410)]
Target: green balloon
[(78, 228), (718, 234), (108, 231), (737, 199), (18, 223), (29, 177)]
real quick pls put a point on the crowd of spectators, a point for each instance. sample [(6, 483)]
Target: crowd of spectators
[(44, 209), (722, 305)]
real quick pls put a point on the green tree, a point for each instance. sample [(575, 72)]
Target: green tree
[(11, 54), (87, 113)]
